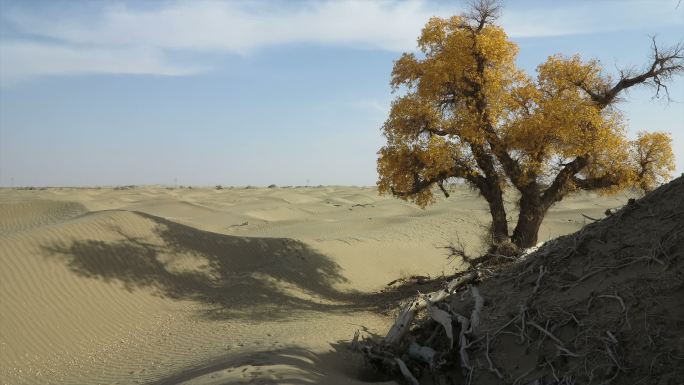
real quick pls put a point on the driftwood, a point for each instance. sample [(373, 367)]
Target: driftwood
[(444, 319), (404, 355), (408, 313), (475, 315), (406, 372), (425, 354)]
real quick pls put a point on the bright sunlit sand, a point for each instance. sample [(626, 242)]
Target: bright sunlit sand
[(218, 286)]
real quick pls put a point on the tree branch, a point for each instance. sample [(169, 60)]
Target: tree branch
[(435, 131), (557, 189), (595, 183), (458, 171), (664, 65), (420, 185), (510, 165), (441, 187)]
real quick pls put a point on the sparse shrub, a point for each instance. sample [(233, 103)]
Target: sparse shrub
[(128, 187)]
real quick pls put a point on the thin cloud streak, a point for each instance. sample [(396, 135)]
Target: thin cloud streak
[(123, 39), (232, 27), (21, 60), (375, 105)]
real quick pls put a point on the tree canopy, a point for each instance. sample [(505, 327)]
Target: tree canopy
[(466, 111)]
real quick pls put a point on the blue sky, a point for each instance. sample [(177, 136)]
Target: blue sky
[(254, 93)]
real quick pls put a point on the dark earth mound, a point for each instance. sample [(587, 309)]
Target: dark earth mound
[(603, 305)]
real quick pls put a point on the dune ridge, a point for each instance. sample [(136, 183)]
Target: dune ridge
[(21, 216)]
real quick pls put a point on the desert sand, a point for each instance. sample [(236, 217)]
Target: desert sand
[(207, 286)]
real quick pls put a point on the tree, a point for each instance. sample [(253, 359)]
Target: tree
[(467, 112)]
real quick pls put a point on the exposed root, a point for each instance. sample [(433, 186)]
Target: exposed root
[(492, 368), (542, 271)]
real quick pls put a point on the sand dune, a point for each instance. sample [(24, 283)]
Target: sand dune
[(21, 216), (156, 285)]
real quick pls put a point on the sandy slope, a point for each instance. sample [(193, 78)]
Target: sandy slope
[(213, 286)]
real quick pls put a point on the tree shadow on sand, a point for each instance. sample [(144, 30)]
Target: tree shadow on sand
[(288, 365), (233, 276)]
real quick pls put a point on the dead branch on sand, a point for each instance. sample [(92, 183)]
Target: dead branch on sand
[(408, 313)]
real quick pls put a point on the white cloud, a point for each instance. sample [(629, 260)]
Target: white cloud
[(234, 27), (20, 60), (124, 39)]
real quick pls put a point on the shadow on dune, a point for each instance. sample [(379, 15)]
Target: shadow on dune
[(289, 365), (234, 276)]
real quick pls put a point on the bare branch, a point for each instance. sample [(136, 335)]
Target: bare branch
[(483, 12), (665, 64)]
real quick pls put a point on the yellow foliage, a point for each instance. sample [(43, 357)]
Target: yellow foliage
[(653, 159), (406, 70), (611, 158), (401, 165), (409, 117), (554, 118), (465, 92), (566, 73)]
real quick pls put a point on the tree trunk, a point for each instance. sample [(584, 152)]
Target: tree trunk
[(532, 213), (494, 197), (499, 223)]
